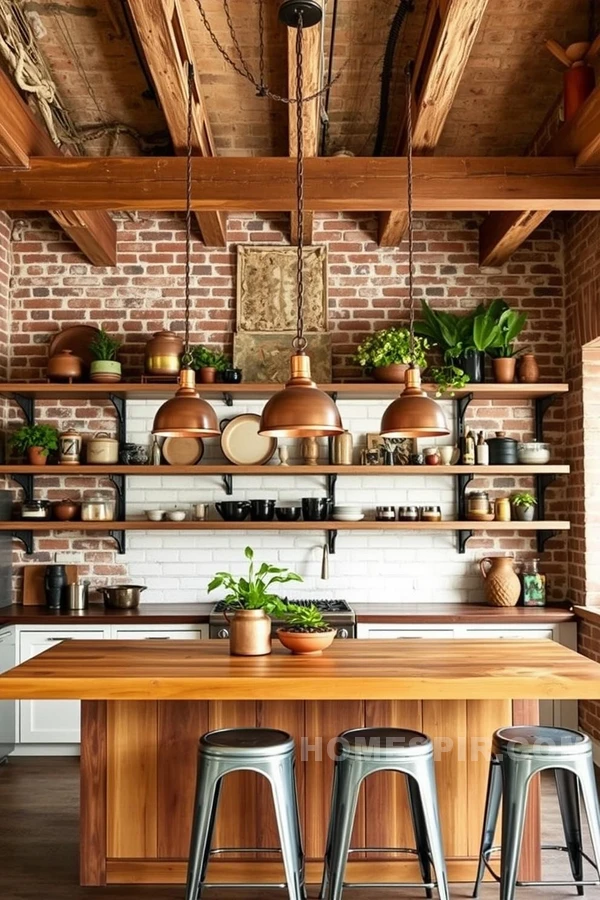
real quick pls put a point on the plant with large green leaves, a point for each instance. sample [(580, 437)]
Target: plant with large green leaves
[(453, 334), (255, 591), (504, 325)]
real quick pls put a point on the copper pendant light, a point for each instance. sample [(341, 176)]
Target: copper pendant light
[(413, 414), (300, 409), (186, 414)]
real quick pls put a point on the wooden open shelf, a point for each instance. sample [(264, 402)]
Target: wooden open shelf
[(219, 525), (272, 470)]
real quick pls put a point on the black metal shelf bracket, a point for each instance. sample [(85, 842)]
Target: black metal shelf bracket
[(542, 483), (331, 483), (334, 396), (27, 405), (121, 489), (118, 536), (462, 483), (462, 405), (26, 482), (26, 538), (331, 540), (227, 483), (227, 398), (543, 537), (463, 536), (120, 405), (542, 405)]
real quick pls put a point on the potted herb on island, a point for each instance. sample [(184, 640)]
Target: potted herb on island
[(524, 506), (35, 441), (306, 632), (387, 354), (250, 602), (208, 363), (105, 367)]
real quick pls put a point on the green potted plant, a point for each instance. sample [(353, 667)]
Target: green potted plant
[(251, 601), (35, 441), (453, 334), (508, 324), (387, 353), (105, 367), (305, 631), (208, 363), (524, 505)]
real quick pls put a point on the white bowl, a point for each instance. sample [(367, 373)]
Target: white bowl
[(155, 515), (533, 454), (348, 517), (176, 515)]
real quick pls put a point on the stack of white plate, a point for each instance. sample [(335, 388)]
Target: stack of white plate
[(347, 513)]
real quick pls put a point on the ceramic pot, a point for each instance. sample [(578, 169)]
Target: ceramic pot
[(69, 447), (65, 510), (105, 371), (37, 456), (262, 510), (392, 374), (473, 364), (310, 451), (306, 643), (233, 510), (315, 509), (501, 586), (250, 633), (102, 450), (524, 513), (207, 375), (64, 366), (163, 354), (504, 369), (528, 371), (55, 583), (341, 449)]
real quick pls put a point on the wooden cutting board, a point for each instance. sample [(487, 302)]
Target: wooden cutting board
[(33, 584)]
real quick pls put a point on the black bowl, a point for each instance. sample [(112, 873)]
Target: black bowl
[(262, 510), (316, 509), (288, 513), (233, 510)]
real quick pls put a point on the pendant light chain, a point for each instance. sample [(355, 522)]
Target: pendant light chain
[(409, 161), (186, 359), (299, 342), (261, 92)]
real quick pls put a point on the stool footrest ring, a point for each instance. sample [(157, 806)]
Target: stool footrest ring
[(496, 877)]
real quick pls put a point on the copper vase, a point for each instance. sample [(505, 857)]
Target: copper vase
[(163, 354), (528, 371), (250, 633)]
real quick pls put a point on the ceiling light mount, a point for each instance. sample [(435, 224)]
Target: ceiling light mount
[(291, 10)]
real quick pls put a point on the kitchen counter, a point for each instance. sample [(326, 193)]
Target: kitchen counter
[(383, 613), (144, 706)]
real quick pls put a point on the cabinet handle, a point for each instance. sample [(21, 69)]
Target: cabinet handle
[(157, 638), (60, 639)]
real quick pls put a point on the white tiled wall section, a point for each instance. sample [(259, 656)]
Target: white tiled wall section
[(374, 566)]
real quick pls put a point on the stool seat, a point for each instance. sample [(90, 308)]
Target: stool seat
[(246, 742), (385, 743), (539, 740)]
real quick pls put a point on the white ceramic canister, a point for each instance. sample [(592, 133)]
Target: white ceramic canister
[(102, 449)]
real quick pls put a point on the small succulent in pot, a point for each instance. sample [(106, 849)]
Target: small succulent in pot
[(306, 632), (36, 441), (387, 353), (208, 363), (105, 367), (524, 505)]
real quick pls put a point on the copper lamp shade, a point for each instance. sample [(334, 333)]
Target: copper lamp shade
[(186, 414), (413, 414), (300, 409)]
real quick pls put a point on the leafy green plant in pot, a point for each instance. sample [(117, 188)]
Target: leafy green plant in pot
[(523, 505), (305, 631), (387, 353), (35, 441), (509, 324), (453, 335), (251, 601), (208, 363), (105, 367)]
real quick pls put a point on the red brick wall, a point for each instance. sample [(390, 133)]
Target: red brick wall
[(5, 273)]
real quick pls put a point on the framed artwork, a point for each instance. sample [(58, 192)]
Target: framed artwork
[(266, 357), (377, 445), (266, 288)]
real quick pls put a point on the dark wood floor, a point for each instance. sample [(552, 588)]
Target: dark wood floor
[(39, 850)]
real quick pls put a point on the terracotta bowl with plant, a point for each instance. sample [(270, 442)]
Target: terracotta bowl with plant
[(387, 353), (208, 363), (305, 631), (36, 442)]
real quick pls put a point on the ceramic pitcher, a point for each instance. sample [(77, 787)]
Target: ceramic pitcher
[(502, 586), (250, 633)]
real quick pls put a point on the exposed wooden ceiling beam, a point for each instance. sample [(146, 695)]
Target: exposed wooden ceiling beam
[(269, 184), (444, 48), (22, 137), (501, 235), (312, 58), (167, 48)]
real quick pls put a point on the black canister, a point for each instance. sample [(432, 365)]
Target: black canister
[(503, 450), (55, 585)]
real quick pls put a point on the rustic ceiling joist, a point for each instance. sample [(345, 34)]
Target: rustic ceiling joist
[(22, 137), (441, 184), (167, 49), (312, 57), (501, 234), (444, 48)]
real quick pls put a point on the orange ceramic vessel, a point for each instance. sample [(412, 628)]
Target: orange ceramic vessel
[(306, 643)]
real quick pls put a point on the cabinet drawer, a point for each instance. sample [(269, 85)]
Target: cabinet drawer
[(509, 634), (133, 634), (411, 634)]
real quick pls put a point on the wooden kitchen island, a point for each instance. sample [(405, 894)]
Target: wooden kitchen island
[(144, 705)]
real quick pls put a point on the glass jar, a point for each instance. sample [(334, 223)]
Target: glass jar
[(35, 509), (533, 583), (478, 504), (385, 513), (98, 507), (408, 513), (431, 514)]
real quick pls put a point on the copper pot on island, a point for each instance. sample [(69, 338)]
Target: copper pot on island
[(163, 354)]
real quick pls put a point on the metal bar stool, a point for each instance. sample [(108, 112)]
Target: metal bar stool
[(270, 753), (361, 752), (519, 753)]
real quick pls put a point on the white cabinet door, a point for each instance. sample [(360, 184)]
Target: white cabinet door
[(50, 721), (406, 634), (197, 633), (508, 634)]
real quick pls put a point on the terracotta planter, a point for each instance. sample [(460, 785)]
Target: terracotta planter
[(306, 643), (504, 369), (528, 371), (207, 375), (393, 374), (250, 633), (105, 371), (502, 586), (37, 456)]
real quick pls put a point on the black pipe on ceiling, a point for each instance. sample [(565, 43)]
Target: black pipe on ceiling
[(387, 71)]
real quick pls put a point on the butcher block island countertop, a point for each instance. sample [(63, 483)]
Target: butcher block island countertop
[(144, 706)]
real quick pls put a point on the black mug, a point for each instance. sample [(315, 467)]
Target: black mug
[(315, 509), (262, 510)]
